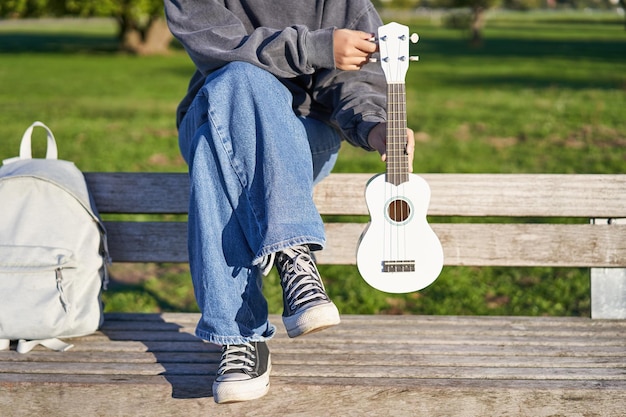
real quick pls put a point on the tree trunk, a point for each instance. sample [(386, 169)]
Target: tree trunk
[(154, 39), (478, 23)]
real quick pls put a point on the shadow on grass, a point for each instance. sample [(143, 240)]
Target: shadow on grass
[(57, 43), (574, 49), (506, 54), (520, 81), (66, 43)]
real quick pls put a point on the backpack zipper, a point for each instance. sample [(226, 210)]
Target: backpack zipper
[(59, 278)]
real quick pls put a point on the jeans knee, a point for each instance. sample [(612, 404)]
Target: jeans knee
[(244, 69), (242, 75)]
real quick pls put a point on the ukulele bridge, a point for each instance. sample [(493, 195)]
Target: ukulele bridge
[(398, 266)]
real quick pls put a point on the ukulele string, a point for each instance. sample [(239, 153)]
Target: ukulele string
[(397, 167), (397, 171), (402, 168)]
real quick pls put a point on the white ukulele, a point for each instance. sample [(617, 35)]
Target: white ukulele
[(398, 252)]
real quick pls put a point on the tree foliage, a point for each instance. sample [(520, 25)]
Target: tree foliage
[(141, 27), (477, 9)]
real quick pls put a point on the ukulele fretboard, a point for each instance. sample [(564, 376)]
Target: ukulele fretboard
[(397, 158)]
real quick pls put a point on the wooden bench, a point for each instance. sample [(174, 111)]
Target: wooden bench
[(152, 365)]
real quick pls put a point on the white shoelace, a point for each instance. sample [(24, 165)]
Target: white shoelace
[(237, 357), (300, 278), (268, 262)]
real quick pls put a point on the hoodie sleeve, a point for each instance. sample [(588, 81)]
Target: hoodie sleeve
[(214, 36), (358, 99)]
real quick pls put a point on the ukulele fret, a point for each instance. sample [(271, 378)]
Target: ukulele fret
[(397, 159)]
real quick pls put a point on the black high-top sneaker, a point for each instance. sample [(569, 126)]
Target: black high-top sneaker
[(243, 374), (307, 308)]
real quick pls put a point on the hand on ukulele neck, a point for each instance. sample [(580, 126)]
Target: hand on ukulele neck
[(377, 139)]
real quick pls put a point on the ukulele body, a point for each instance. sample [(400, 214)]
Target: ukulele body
[(398, 251)]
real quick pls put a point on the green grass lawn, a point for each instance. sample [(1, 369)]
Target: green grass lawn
[(546, 92)]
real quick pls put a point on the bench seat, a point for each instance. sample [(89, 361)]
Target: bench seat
[(152, 365)]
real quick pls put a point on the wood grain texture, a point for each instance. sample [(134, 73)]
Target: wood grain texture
[(152, 365), (480, 244), (514, 195)]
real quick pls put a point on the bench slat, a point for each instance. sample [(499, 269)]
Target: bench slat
[(54, 363), (514, 195), (533, 371), (139, 192), (511, 195), (147, 241), (463, 243)]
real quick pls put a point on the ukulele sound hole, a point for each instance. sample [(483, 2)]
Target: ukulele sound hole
[(399, 210)]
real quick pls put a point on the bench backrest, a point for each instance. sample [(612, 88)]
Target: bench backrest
[(490, 214)]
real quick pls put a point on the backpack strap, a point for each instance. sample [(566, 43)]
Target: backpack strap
[(25, 346), (26, 147)]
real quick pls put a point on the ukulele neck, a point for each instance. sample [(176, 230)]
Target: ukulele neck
[(397, 158)]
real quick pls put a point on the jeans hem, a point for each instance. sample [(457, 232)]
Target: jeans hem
[(315, 242), (210, 337)]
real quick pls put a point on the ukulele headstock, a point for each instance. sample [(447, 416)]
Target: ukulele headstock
[(393, 43)]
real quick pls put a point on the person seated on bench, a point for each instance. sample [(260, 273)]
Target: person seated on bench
[(277, 86)]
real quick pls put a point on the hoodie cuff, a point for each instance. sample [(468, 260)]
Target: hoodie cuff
[(363, 131), (319, 44)]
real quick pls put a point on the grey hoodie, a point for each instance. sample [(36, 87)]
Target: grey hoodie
[(292, 39)]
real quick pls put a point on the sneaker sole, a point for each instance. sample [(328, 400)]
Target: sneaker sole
[(236, 391), (312, 320)]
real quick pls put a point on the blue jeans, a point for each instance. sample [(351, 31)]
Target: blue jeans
[(252, 165)]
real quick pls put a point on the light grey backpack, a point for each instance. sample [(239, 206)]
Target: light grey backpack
[(53, 253)]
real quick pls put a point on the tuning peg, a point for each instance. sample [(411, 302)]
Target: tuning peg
[(413, 38), (411, 58)]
